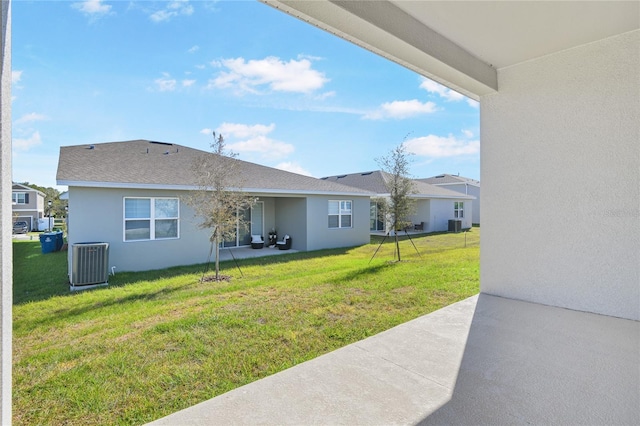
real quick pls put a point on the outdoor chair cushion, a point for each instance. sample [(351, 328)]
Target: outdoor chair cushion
[(285, 244), (257, 242)]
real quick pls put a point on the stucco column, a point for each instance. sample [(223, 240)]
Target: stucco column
[(6, 254)]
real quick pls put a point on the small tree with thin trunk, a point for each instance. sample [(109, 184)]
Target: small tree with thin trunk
[(400, 205), (219, 198)]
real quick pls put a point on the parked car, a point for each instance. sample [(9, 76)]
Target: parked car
[(20, 227)]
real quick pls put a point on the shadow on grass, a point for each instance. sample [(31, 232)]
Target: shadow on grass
[(63, 315), (40, 276), (362, 273), (402, 236)]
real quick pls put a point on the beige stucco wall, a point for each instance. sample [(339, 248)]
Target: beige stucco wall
[(561, 180), (320, 236), (6, 259), (442, 210), (467, 189), (422, 214), (96, 215), (290, 215)]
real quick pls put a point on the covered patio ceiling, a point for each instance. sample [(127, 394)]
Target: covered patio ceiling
[(462, 44)]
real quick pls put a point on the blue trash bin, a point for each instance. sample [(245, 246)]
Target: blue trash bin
[(59, 240), (48, 242)]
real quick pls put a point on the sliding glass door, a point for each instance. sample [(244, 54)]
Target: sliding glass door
[(251, 222)]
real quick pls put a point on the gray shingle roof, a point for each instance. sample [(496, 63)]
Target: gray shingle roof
[(375, 181), (20, 187), (143, 163), (445, 178)]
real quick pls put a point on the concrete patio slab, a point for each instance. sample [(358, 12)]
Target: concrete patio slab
[(248, 252), (484, 360)]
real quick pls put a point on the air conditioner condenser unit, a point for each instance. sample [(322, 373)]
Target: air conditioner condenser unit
[(89, 265)]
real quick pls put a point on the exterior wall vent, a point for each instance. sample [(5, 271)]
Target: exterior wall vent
[(89, 265)]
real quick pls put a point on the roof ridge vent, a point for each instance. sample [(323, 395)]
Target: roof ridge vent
[(161, 143)]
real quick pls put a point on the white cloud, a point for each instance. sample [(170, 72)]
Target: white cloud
[(402, 109), (27, 118), (173, 9), (325, 95), (472, 103), (434, 146), (244, 130), (310, 57), (267, 147), (188, 83), (254, 140), (165, 83), (28, 143), (206, 131), (467, 133), (275, 74), (193, 49), (293, 168), (442, 91), (16, 76), (92, 8)]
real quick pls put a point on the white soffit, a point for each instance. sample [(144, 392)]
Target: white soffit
[(462, 43), (384, 29), (505, 33)]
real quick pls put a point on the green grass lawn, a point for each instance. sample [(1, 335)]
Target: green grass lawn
[(152, 343)]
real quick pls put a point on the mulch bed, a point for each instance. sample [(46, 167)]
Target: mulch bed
[(212, 278)]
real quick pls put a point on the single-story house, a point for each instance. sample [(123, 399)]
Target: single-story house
[(459, 184), (133, 195), (435, 206), (27, 204)]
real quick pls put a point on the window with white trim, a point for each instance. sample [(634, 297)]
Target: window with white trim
[(151, 218), (19, 198), (340, 214), (458, 209)]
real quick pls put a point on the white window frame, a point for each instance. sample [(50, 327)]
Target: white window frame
[(16, 199), (342, 211), (152, 219), (458, 209)]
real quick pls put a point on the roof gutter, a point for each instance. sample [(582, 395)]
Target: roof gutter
[(153, 186)]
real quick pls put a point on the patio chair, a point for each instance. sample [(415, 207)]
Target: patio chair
[(285, 244), (257, 242), (418, 226)]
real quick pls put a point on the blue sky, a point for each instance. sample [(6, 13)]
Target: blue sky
[(283, 93)]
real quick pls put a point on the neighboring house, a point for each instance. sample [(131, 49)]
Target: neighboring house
[(435, 206), (109, 181), (27, 204), (459, 184)]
